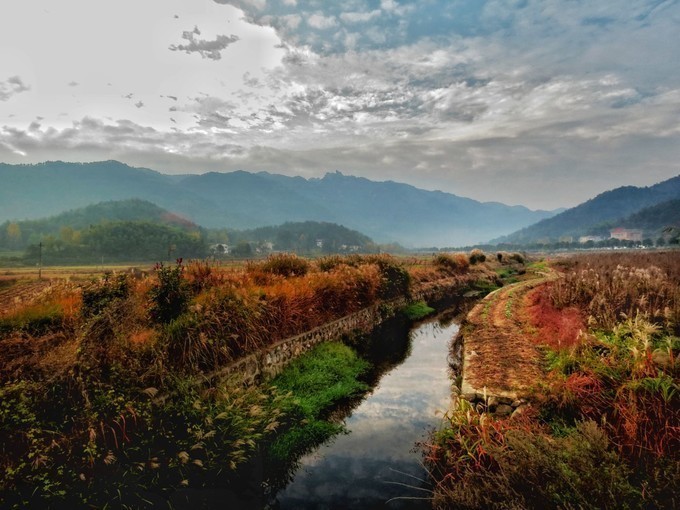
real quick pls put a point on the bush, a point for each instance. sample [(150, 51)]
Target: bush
[(100, 295), (477, 256), (452, 263), (330, 262), (170, 296), (395, 279), (285, 264)]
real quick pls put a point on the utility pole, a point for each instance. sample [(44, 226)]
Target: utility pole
[(40, 261)]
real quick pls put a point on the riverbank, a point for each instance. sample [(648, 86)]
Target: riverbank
[(597, 420)]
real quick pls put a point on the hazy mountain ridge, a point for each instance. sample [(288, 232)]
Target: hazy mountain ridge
[(386, 211), (607, 209)]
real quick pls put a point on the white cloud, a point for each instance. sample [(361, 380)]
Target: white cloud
[(443, 94), (321, 22), (359, 17)]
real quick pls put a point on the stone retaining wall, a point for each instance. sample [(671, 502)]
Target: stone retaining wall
[(269, 362)]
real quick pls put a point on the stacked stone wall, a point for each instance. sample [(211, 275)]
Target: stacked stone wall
[(270, 361)]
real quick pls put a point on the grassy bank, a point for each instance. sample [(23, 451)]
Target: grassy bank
[(604, 427)]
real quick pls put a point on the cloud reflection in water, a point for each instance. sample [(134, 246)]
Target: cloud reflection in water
[(361, 469)]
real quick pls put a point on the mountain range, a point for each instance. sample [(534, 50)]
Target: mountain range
[(386, 211), (614, 208)]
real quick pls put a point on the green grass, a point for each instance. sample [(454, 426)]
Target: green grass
[(315, 383), (34, 320), (539, 265), (417, 310)]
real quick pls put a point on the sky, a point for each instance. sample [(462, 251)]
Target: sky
[(543, 103)]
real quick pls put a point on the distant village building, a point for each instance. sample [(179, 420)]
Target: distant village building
[(626, 234), (585, 239), (220, 249), (351, 248), (566, 239)]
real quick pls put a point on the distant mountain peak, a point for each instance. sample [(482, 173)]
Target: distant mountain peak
[(386, 211)]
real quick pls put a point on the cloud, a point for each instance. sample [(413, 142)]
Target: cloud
[(12, 86), (321, 22), (494, 99), (359, 17), (211, 49)]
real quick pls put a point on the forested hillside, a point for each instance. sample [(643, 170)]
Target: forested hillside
[(605, 210)]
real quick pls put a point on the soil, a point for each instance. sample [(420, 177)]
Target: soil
[(503, 335)]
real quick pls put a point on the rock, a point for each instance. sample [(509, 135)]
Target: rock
[(503, 410), (520, 410)]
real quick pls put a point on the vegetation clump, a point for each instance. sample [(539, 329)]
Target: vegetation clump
[(285, 264), (170, 296), (417, 310), (320, 379), (476, 256), (456, 263)]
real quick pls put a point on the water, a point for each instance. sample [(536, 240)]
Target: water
[(377, 464)]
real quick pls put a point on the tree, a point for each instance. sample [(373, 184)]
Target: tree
[(14, 235), (242, 250)]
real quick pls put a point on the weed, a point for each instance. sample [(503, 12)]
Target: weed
[(316, 382), (417, 310)]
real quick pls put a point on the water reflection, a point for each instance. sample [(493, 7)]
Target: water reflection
[(377, 461)]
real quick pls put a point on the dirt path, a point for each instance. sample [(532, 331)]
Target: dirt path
[(499, 359)]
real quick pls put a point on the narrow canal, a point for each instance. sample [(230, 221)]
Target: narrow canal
[(377, 464)]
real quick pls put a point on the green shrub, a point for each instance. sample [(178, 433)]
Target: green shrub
[(330, 262), (417, 310), (170, 296), (101, 294)]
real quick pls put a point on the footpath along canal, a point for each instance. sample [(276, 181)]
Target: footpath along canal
[(378, 464)]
